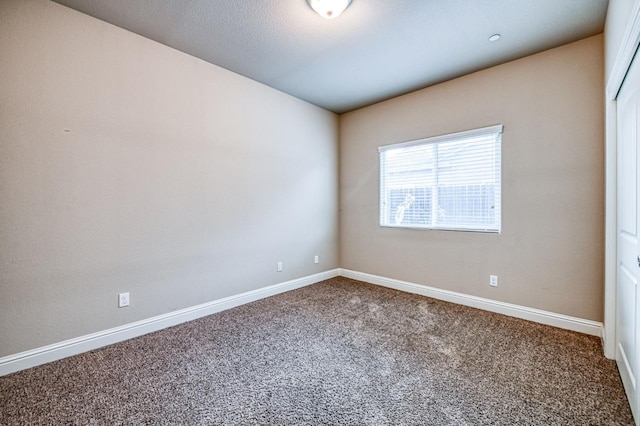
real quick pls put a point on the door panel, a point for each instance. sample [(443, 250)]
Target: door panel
[(628, 297), (627, 285)]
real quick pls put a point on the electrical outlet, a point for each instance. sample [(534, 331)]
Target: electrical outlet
[(493, 280), (279, 267), (316, 259), (123, 300)]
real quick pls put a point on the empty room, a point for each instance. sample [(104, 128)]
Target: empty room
[(408, 212)]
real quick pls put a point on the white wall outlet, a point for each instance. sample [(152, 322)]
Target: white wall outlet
[(493, 280), (123, 299), (279, 268), (316, 259)]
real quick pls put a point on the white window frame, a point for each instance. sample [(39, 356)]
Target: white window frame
[(385, 191)]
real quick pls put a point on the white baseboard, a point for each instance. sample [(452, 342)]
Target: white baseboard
[(605, 343), (580, 325), (31, 358)]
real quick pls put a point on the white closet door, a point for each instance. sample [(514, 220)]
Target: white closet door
[(628, 296)]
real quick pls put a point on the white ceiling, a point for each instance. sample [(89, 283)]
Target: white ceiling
[(375, 50)]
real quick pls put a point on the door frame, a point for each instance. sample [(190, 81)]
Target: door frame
[(624, 57)]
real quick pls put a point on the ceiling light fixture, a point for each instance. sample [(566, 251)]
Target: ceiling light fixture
[(495, 37), (329, 9)]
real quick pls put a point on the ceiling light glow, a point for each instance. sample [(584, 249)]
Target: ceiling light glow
[(329, 9), (495, 37)]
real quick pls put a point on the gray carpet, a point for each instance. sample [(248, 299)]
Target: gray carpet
[(338, 352)]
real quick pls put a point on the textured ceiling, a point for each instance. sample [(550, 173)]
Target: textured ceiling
[(375, 50)]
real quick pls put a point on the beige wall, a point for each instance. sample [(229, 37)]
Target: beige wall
[(129, 166), (550, 252)]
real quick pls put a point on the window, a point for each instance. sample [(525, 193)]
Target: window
[(446, 182)]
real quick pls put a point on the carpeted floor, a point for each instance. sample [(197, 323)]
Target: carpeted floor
[(337, 352)]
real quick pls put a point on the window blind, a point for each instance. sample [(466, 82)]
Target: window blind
[(444, 182)]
